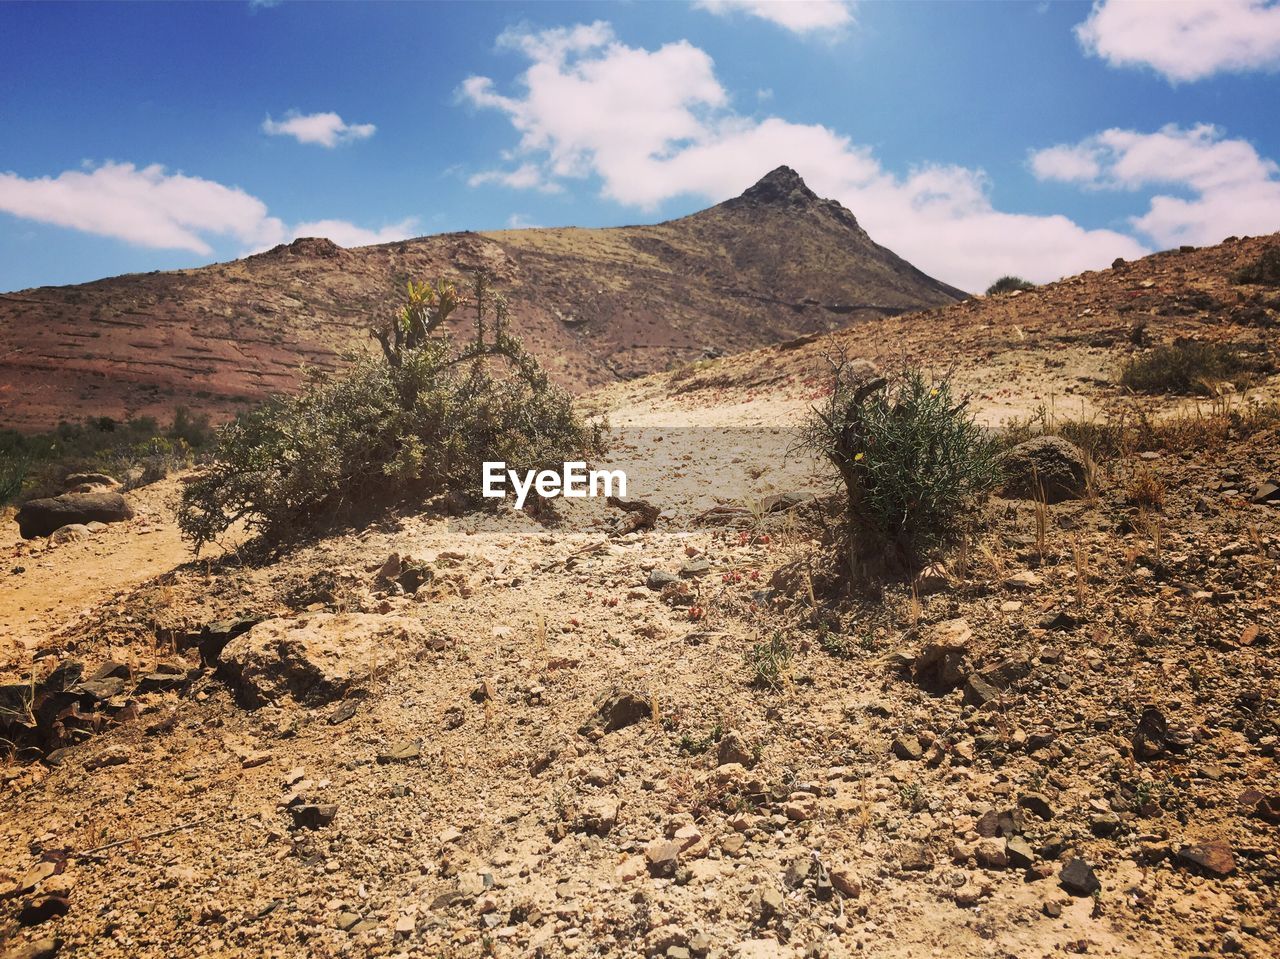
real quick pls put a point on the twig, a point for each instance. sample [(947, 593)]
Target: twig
[(150, 835)]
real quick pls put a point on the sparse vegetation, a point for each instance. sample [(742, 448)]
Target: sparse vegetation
[(1007, 284), (912, 461), (416, 421), (1185, 366), (136, 451), (1265, 271), (770, 662)]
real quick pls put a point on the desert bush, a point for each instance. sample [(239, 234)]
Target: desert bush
[(1185, 366), (419, 420), (912, 461), (136, 451), (1264, 271), (1007, 284)]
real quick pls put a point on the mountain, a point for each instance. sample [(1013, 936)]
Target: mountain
[(596, 305)]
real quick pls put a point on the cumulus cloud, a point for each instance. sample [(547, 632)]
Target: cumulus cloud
[(323, 129), (657, 124), (798, 16), (345, 233), (1225, 186), (151, 207), (1187, 39), (147, 206), (527, 176)]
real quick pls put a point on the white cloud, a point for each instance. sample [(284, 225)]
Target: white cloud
[(527, 176), (1227, 187), (345, 233), (1069, 164), (798, 16), (1185, 39), (147, 206), (324, 129), (152, 208), (518, 221), (653, 125)]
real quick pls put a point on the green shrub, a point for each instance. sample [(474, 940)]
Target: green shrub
[(1007, 284), (912, 461), (1265, 271), (1185, 366), (135, 451), (419, 420)]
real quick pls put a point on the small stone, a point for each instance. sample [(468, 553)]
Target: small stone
[(1211, 858), (1019, 853), (1077, 877), (733, 748), (771, 904), (599, 815), (990, 854), (1037, 803), (345, 920), (313, 815), (915, 857), (39, 949), (658, 579), (1026, 580), (663, 856), (695, 568), (402, 751), (908, 747)]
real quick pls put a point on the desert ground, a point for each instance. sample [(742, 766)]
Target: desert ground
[(508, 735)]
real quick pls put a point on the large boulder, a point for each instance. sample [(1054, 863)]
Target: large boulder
[(1047, 464), (41, 517), (316, 658)]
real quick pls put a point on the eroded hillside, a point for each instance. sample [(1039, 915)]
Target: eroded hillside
[(594, 305)]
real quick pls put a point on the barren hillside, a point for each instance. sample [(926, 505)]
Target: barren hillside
[(595, 305), (568, 741)]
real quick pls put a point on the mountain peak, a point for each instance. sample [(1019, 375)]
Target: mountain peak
[(782, 185)]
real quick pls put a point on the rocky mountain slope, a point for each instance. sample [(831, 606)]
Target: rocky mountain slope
[(594, 305), (569, 740)]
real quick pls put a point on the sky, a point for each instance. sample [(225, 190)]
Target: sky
[(975, 139)]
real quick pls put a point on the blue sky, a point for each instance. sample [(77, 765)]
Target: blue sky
[(973, 138)]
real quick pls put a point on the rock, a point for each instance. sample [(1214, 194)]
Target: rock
[(1077, 877), (779, 502), (316, 658), (346, 920), (1268, 492), (846, 881), (907, 747), (71, 533), (1151, 737), (1037, 803), (695, 567), (1024, 580), (402, 751), (915, 857), (990, 854), (979, 692), (103, 689), (771, 904), (1019, 853), (42, 517), (99, 481), (1046, 465), (1210, 858), (659, 578), (598, 816), (662, 856), (39, 949), (733, 748), (312, 815), (620, 711), (939, 665), (344, 712)]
